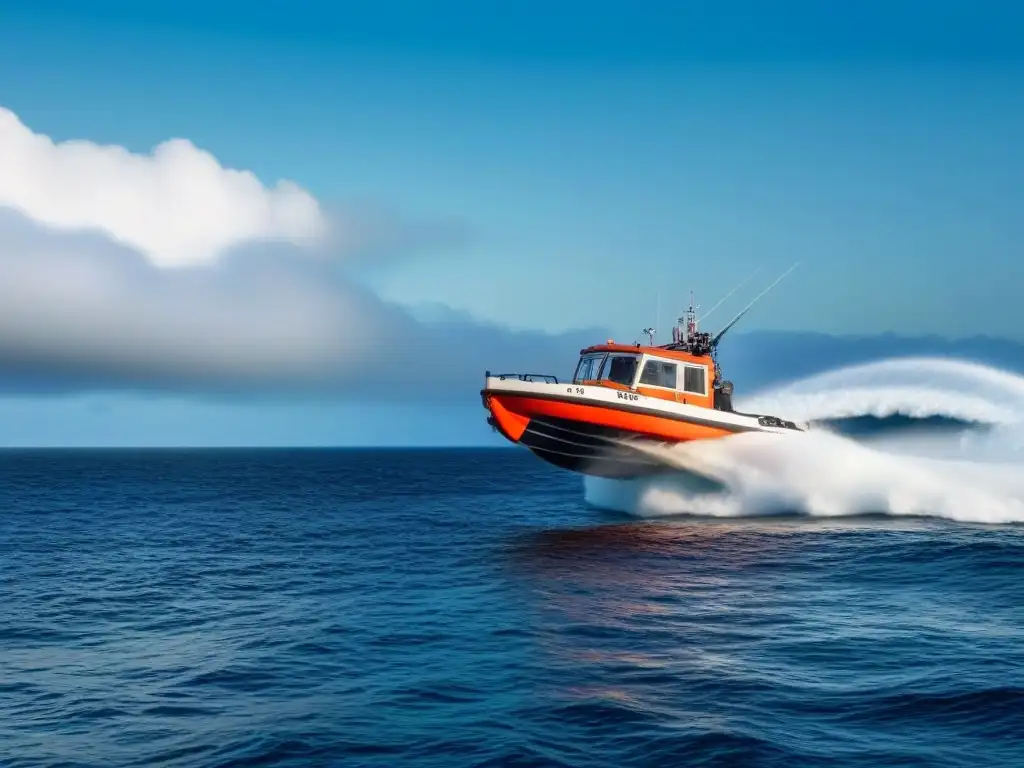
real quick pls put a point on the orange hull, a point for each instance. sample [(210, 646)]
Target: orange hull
[(513, 412), (591, 439)]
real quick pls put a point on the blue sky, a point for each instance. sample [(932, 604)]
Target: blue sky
[(590, 157)]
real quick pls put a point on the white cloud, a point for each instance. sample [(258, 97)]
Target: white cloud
[(86, 300), (177, 206)]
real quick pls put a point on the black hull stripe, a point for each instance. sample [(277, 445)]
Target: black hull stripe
[(563, 440), (599, 466), (576, 436), (623, 459), (618, 458)]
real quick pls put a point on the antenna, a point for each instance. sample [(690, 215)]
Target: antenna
[(730, 293), (657, 313), (731, 323), (689, 319), (650, 333)]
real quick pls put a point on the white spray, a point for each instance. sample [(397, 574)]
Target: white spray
[(971, 478)]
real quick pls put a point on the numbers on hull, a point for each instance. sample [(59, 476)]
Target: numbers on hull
[(620, 395)]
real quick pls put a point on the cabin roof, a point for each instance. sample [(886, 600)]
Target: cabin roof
[(639, 349)]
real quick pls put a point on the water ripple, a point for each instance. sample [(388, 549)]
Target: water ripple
[(466, 608)]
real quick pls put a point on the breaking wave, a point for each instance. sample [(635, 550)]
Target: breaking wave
[(932, 437), (911, 387)]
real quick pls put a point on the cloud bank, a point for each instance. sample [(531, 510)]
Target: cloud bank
[(169, 272)]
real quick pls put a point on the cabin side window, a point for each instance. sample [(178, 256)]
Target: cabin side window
[(658, 373), (589, 368), (621, 369), (695, 379)]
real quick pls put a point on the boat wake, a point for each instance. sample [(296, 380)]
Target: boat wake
[(932, 437)]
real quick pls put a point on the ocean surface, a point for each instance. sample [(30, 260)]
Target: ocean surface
[(474, 608)]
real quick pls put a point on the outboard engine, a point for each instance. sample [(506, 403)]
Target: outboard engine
[(723, 396)]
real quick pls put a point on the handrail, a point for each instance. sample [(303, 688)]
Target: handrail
[(524, 376)]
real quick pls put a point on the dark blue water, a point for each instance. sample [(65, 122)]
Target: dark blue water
[(466, 608)]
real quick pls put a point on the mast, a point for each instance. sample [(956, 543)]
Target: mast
[(689, 320), (657, 313), (685, 335)]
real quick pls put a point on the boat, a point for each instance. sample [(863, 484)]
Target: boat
[(622, 399)]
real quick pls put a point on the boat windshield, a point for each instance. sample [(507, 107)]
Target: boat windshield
[(619, 368), (589, 368)]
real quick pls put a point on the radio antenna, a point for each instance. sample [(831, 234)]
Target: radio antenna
[(657, 314), (730, 293), (731, 323)]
